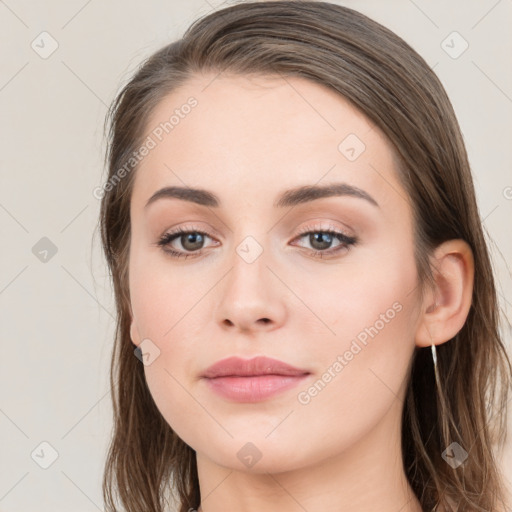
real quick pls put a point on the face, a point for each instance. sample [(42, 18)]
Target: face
[(324, 282)]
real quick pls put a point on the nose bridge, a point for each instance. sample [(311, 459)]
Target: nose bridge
[(248, 296), (248, 262), (250, 243)]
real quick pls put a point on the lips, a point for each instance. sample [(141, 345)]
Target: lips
[(237, 367), (252, 380)]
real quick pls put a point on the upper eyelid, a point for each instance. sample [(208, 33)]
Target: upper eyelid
[(303, 231), (320, 227)]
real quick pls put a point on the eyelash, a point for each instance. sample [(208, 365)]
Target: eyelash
[(165, 240)]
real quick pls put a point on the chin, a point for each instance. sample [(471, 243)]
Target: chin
[(257, 456)]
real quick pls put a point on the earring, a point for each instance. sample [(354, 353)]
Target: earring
[(434, 357)]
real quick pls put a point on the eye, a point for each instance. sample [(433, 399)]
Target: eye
[(321, 240), (191, 240)]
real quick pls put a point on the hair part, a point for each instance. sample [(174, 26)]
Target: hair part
[(384, 78)]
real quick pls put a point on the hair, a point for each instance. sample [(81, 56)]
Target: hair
[(384, 78)]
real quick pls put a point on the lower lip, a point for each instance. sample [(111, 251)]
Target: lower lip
[(253, 389)]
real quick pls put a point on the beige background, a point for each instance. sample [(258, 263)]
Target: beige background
[(57, 315)]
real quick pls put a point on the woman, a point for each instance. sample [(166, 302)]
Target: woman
[(307, 317)]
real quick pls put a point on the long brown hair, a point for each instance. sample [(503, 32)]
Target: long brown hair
[(392, 85)]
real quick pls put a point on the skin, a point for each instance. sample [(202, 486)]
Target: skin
[(248, 140)]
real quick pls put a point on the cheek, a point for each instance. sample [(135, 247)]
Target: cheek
[(365, 358), (163, 304), (162, 295), (361, 377), (163, 308), (363, 291)]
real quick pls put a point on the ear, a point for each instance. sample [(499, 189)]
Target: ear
[(446, 306)]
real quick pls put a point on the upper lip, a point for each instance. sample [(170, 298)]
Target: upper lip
[(238, 367)]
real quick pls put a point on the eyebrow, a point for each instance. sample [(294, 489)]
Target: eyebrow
[(292, 197)]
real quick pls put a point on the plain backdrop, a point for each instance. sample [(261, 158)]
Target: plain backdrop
[(62, 64)]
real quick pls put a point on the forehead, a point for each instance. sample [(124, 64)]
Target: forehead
[(260, 133)]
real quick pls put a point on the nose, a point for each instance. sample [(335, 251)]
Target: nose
[(250, 297)]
